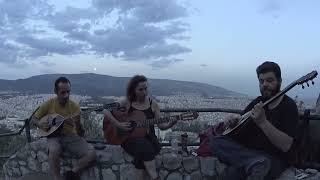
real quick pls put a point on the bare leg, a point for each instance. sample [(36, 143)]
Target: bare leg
[(151, 168), (54, 162), (85, 161), (140, 174)]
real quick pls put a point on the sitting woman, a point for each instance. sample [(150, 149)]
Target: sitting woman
[(146, 148)]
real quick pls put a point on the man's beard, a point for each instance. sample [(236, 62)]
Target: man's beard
[(269, 93)]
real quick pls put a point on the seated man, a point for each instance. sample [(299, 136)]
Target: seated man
[(68, 138), (263, 148)]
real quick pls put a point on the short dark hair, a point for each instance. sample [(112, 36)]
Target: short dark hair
[(132, 84), (269, 67), (60, 80)]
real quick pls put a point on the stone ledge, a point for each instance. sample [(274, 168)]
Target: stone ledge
[(114, 164)]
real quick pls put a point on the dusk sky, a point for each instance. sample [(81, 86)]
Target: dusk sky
[(219, 42)]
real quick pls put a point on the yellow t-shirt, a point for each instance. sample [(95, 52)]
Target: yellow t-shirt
[(52, 106)]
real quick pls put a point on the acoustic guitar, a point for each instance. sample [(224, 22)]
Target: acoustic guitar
[(247, 116), (139, 125), (56, 121)]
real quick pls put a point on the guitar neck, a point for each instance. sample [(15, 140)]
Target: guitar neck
[(279, 94), (245, 118), (149, 122)]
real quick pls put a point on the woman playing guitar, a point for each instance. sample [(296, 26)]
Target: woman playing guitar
[(143, 149)]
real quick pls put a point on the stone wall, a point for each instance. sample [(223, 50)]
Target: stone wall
[(114, 164)]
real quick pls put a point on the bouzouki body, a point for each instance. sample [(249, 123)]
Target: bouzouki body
[(56, 121)]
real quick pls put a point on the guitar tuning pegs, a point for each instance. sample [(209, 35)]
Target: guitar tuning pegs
[(312, 82), (308, 84), (302, 86)]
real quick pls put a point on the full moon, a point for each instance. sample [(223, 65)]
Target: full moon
[(94, 69)]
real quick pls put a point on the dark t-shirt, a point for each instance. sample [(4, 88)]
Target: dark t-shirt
[(284, 117)]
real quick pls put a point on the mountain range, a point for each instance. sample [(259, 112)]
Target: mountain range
[(104, 85)]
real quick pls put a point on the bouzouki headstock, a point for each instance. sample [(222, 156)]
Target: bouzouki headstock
[(305, 79)]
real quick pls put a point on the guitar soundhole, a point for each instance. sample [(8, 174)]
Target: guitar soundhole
[(54, 122)]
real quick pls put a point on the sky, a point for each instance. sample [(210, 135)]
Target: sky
[(210, 41)]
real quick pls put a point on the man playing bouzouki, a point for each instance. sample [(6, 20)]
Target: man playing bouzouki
[(262, 149), (143, 149), (68, 136)]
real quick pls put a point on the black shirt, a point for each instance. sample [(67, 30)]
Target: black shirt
[(149, 114), (284, 117)]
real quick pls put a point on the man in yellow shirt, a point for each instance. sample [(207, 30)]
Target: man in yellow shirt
[(69, 137)]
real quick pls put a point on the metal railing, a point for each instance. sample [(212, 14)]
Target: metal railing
[(27, 121), (26, 125)]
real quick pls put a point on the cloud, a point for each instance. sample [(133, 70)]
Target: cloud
[(14, 15), (132, 36), (129, 30), (48, 46), (146, 11), (274, 7), (17, 11), (8, 53), (271, 6), (45, 63), (69, 19), (155, 51), (203, 65), (163, 63)]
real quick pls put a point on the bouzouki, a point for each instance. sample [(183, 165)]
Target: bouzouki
[(56, 121), (139, 125), (246, 117)]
